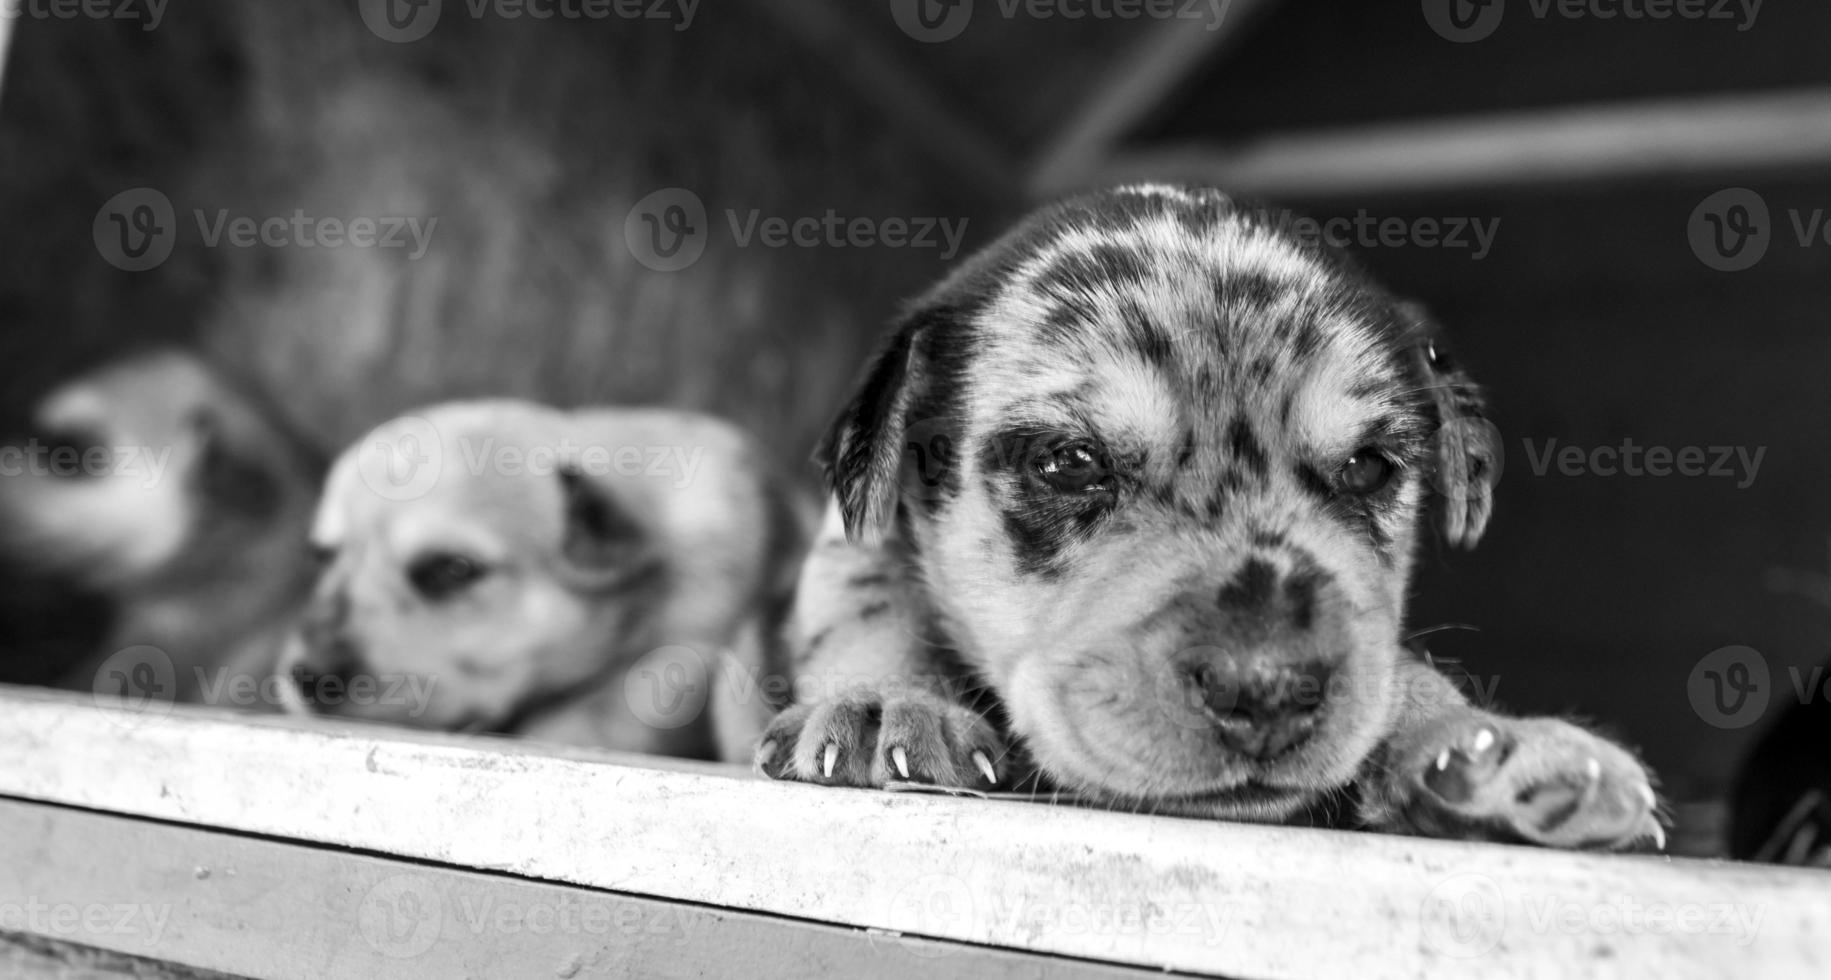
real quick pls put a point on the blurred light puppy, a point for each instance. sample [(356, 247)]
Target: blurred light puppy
[(156, 483), (606, 578)]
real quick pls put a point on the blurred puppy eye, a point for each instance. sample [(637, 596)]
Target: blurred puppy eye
[(441, 576), (1366, 471), (320, 555), (1073, 468)]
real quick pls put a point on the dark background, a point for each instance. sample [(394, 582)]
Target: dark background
[(1592, 321)]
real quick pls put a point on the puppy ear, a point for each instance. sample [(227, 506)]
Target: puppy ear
[(602, 546), (862, 451), (228, 477), (1466, 463)]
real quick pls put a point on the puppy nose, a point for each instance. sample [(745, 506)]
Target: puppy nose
[(66, 448), (334, 661), (328, 652), (323, 622), (1262, 709), (1258, 591)]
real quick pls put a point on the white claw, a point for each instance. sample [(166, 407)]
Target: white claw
[(1484, 740), (765, 753), (1443, 760), (1659, 837), (901, 760), (985, 766), (1593, 769), (829, 760), (1646, 793)]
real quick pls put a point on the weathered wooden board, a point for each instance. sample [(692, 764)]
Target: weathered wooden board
[(1651, 138), (1236, 900), (262, 908)]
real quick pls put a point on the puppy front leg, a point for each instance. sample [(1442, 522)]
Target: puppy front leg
[(1451, 769), (876, 699)]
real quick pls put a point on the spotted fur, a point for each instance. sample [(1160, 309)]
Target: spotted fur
[(1131, 499)]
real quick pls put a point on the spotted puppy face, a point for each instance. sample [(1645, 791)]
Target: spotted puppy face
[(1160, 470)]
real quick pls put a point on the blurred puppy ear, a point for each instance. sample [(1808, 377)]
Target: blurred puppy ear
[(862, 451), (602, 547), (229, 477), (1466, 462)]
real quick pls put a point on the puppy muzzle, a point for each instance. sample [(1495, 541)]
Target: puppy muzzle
[(319, 660)]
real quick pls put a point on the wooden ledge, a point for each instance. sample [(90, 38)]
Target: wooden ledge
[(1101, 888)]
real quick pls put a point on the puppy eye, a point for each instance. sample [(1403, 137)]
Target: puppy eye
[(320, 555), (1072, 468), (440, 576), (1366, 471)]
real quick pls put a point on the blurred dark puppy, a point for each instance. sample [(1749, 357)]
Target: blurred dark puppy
[(159, 485), (610, 578), (1134, 495), (1780, 811)]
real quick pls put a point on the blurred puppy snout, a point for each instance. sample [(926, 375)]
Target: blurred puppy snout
[(324, 652), (1260, 705), (65, 447)]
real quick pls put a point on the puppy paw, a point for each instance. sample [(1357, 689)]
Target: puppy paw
[(1538, 780), (870, 738)]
